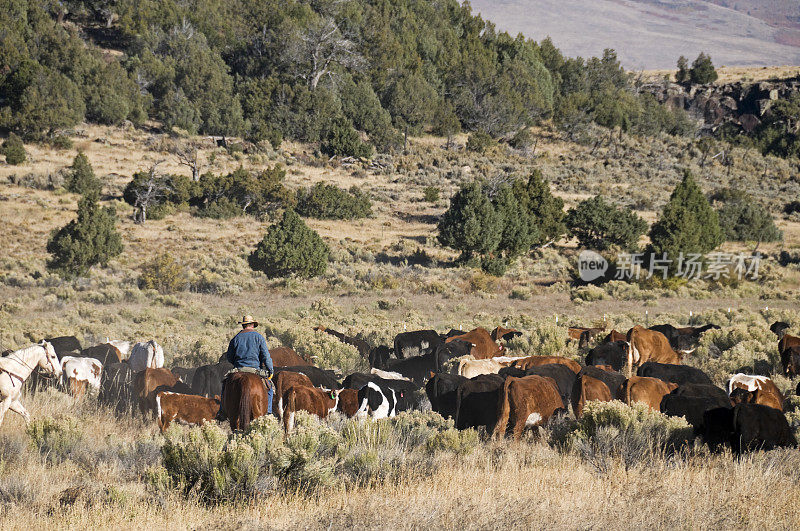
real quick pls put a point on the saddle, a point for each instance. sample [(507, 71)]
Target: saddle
[(263, 373)]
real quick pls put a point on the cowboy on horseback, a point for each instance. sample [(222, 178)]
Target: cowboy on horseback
[(248, 352)]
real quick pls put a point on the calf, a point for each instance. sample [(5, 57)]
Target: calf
[(379, 402), (532, 361), (648, 391), (748, 427), (185, 374), (283, 381), (524, 402), (318, 402), (476, 402), (613, 353), (348, 402), (615, 336), (592, 383), (442, 391), (504, 334), (406, 393), (80, 374), (188, 409), (743, 388), (790, 356), (145, 383), (678, 374)]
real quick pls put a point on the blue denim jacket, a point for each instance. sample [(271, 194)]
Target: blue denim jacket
[(248, 348)]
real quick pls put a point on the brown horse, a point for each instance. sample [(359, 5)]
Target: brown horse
[(245, 399)]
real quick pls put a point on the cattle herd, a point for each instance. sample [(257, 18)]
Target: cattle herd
[(470, 377)]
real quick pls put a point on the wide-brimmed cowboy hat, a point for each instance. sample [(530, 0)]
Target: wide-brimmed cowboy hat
[(248, 319)]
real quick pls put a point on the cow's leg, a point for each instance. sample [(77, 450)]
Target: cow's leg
[(17, 407)]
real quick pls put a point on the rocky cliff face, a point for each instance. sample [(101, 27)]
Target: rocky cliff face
[(741, 104)]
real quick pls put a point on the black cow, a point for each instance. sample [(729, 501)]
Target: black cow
[(105, 354), (442, 391), (703, 390), (186, 374), (476, 402), (779, 328), (613, 380), (319, 377), (116, 387), (683, 338), (419, 368), (65, 346), (379, 356), (692, 405), (377, 401), (747, 427), (613, 353), (207, 379), (416, 343), (561, 374), (179, 387), (407, 393), (679, 374)]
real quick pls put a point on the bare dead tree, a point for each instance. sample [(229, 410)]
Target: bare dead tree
[(320, 47), (188, 155), (149, 192)]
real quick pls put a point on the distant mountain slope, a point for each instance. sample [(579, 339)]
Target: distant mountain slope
[(654, 33)]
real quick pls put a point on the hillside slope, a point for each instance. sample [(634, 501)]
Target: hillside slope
[(653, 34)]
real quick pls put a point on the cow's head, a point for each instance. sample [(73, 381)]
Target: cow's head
[(742, 396)]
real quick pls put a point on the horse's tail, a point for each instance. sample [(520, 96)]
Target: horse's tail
[(245, 404), (289, 409)]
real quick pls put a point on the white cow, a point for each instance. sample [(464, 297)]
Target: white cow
[(388, 375), (469, 368), (78, 374), (146, 355), (746, 381)]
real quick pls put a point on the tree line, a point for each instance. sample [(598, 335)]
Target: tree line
[(315, 70)]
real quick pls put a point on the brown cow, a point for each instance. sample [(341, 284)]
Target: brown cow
[(584, 334), (483, 346), (648, 345), (646, 390), (615, 336), (145, 384), (286, 357), (790, 359), (528, 401), (784, 349), (190, 409), (348, 402), (743, 388), (505, 334), (283, 381), (532, 361), (301, 397)]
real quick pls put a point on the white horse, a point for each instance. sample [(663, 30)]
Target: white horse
[(17, 367)]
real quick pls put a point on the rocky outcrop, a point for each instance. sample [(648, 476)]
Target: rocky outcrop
[(741, 104)]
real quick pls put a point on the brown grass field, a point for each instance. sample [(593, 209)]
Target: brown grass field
[(374, 287)]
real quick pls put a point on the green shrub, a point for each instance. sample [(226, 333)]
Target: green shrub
[(326, 201), (545, 210), (598, 224), (703, 71), (290, 248), (687, 224), (61, 142), (55, 438), (164, 274), (612, 430), (80, 178), (222, 208), (342, 140), (747, 220), (471, 224), (431, 194), (14, 150), (479, 142), (89, 240)]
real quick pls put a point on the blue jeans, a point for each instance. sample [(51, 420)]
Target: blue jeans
[(269, 399)]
